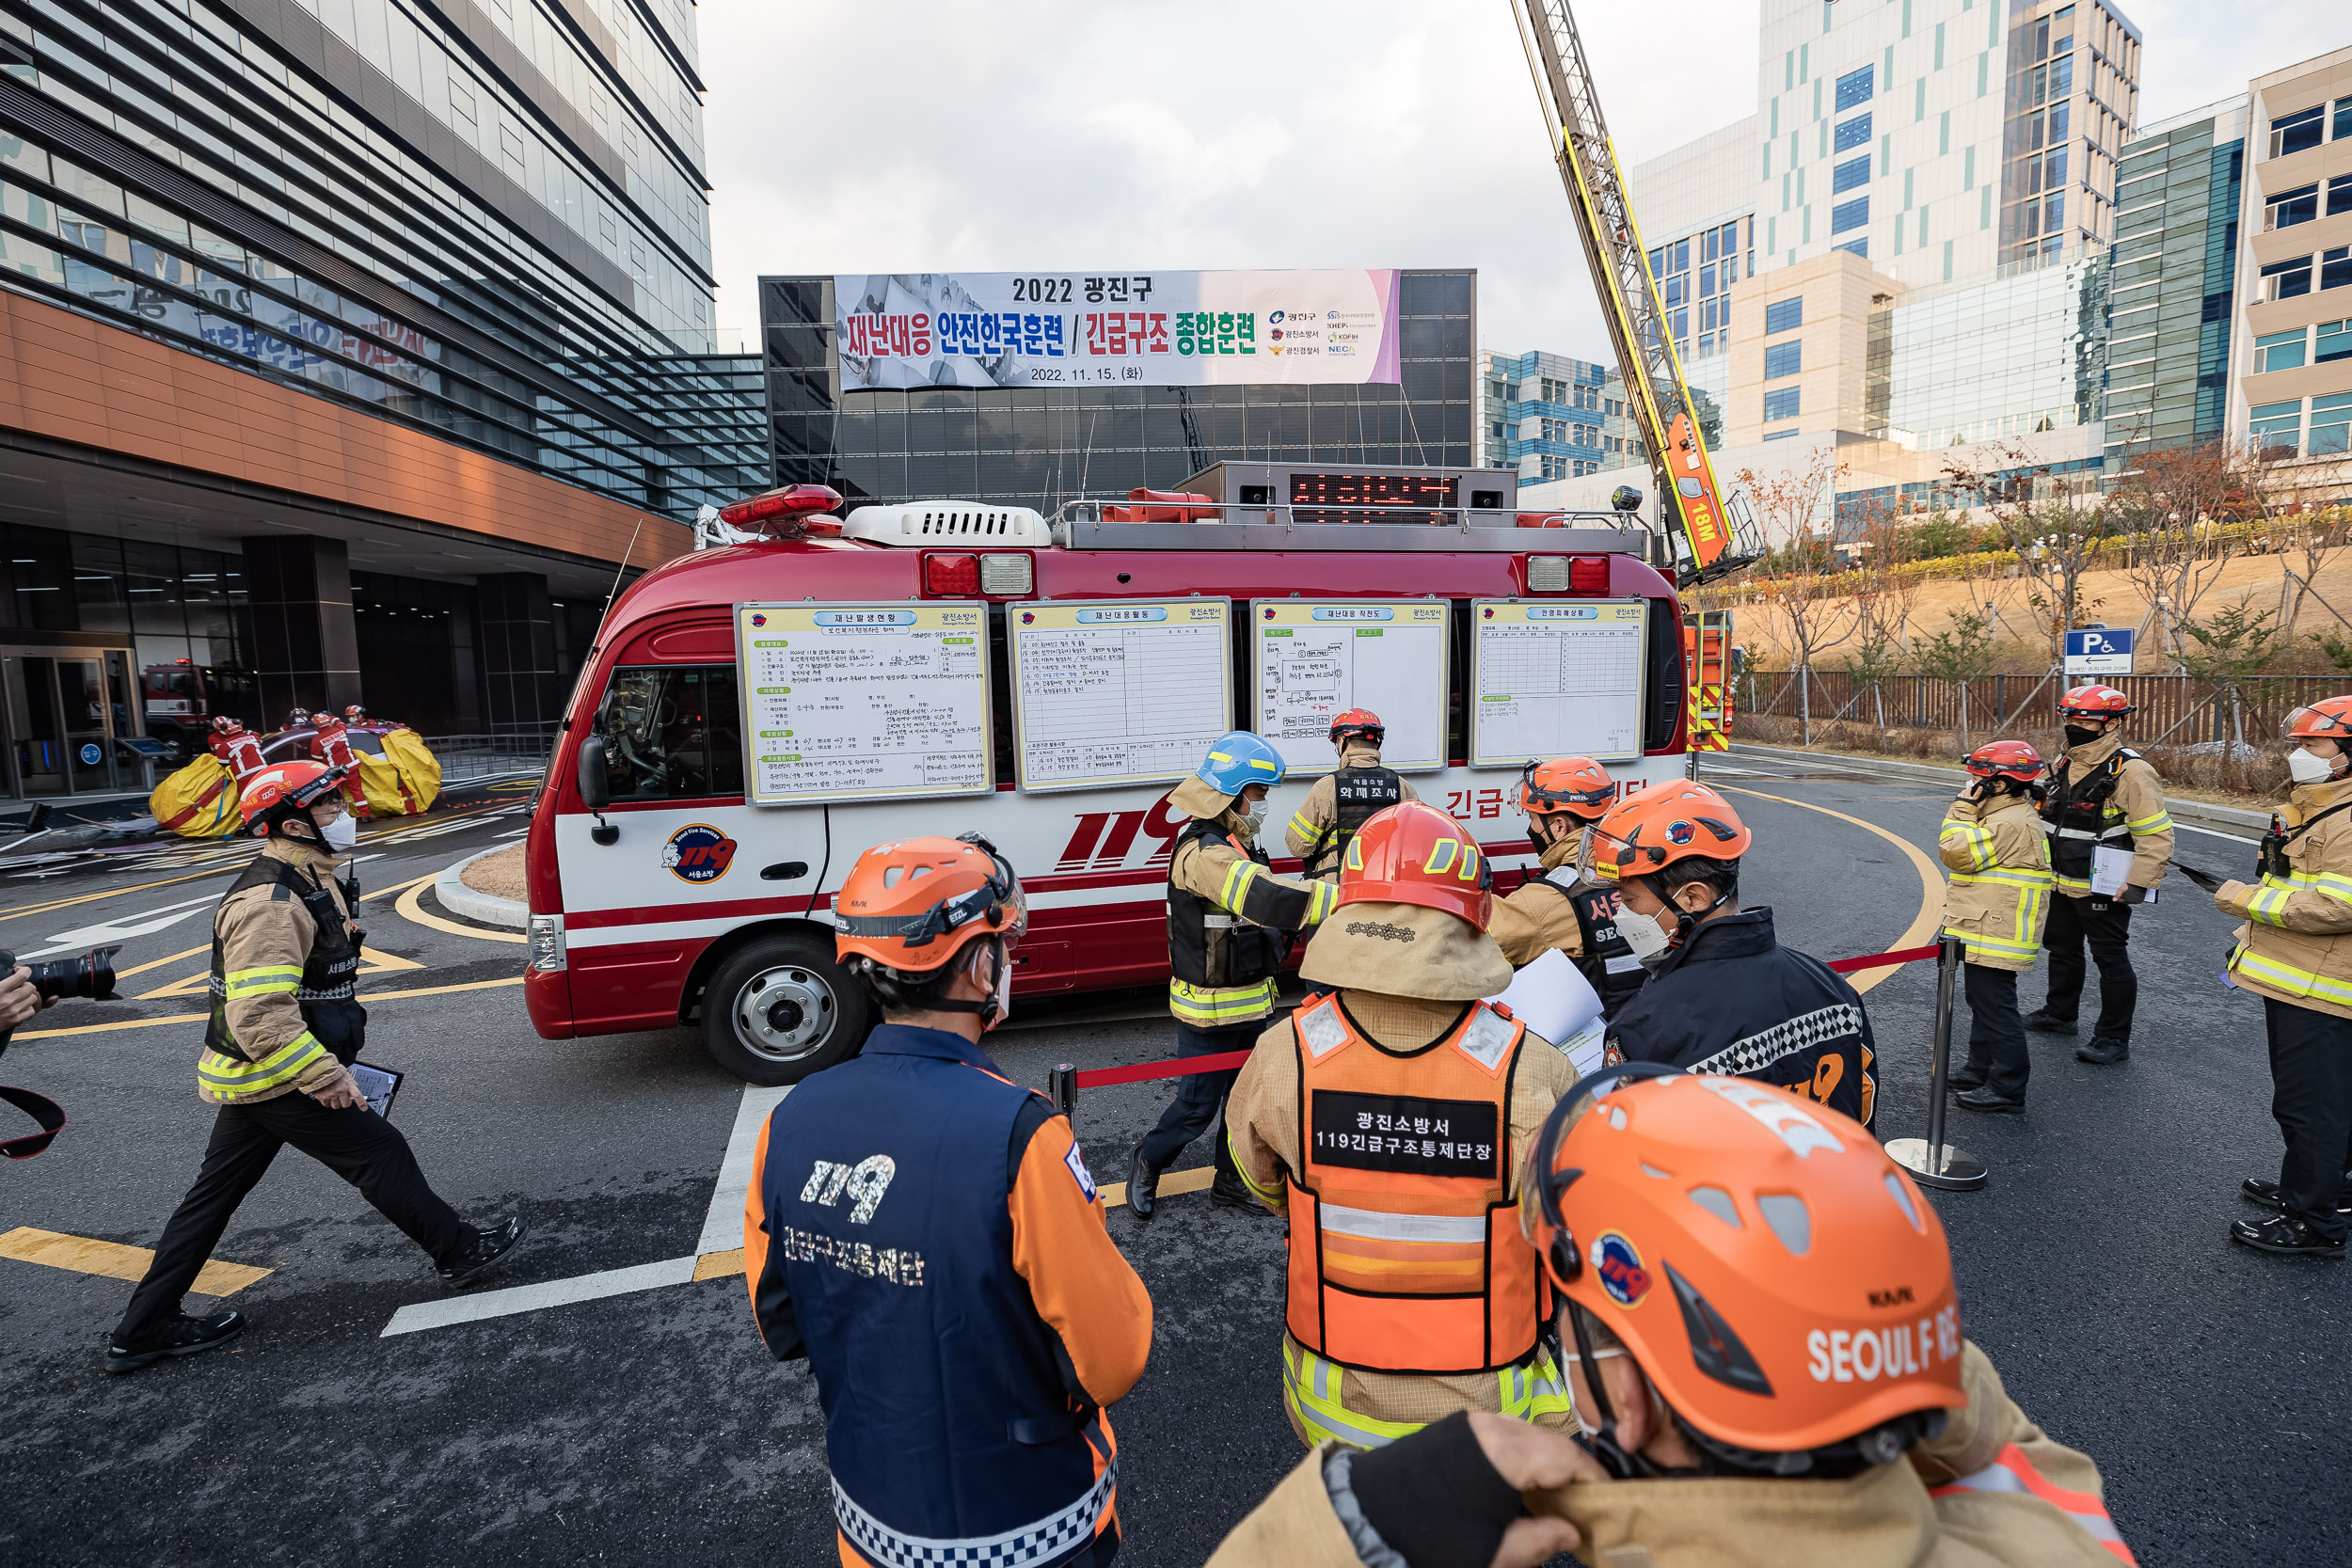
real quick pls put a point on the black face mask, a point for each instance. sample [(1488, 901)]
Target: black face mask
[(2077, 735)]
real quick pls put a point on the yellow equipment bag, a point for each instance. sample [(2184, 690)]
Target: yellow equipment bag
[(406, 780), (198, 801)]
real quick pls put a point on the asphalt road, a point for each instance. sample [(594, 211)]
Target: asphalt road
[(2209, 1383)]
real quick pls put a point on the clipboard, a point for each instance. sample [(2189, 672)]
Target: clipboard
[(379, 1084), (2110, 869)]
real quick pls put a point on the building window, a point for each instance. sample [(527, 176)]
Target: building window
[(1779, 435), (1850, 214), (2335, 267), (1782, 405), (2280, 351), (2339, 195), (1857, 248), (1783, 359), (2289, 208), (1855, 172), (1852, 133), (2334, 342), (2297, 131), (2275, 426), (1555, 467), (2344, 117), (1854, 88), (2331, 422), (2286, 280), (1785, 315)]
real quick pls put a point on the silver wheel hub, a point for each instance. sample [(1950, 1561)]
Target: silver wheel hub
[(784, 1013)]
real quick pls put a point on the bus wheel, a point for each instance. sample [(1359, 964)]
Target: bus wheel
[(782, 1008)]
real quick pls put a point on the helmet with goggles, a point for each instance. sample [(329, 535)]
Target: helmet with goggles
[(1357, 722), (2329, 719), (2094, 702), (1651, 828), (911, 906), (282, 790), (1576, 786)]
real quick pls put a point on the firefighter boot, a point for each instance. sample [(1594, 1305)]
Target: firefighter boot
[(487, 1250), (2284, 1235), (2042, 1022), (181, 1336), (1143, 1185), (2104, 1051)]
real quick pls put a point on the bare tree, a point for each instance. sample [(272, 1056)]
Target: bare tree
[(2303, 535), (2174, 507), (2057, 544), (1818, 611), (1886, 590)]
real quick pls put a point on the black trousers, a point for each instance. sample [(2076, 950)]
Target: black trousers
[(1200, 1097), (357, 1145), (2311, 1096), (1997, 1036), (2106, 926)]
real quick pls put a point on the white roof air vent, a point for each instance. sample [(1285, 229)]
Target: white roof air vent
[(947, 523)]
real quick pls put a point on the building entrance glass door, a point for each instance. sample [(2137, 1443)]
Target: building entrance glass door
[(57, 722)]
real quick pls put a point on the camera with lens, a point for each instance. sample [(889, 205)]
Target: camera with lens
[(90, 975)]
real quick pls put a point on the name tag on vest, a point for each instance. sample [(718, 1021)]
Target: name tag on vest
[(1406, 1135)]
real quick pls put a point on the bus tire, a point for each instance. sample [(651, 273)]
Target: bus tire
[(781, 1009)]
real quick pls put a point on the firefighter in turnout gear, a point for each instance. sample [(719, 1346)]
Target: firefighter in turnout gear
[(2295, 952), (1341, 802), (284, 1028), (1578, 916), (1999, 896), (1724, 995), (1766, 1353), (1228, 926), (924, 1231), (1387, 1120), (2103, 795)]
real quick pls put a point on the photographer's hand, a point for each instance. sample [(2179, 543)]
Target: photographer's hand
[(19, 998), (341, 1095)]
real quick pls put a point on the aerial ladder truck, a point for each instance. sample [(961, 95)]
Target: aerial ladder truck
[(1712, 534)]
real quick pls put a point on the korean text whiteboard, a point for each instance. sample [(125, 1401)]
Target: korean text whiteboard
[(863, 701), (1551, 680), (1315, 660), (1118, 691)]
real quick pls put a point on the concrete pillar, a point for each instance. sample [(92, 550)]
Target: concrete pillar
[(305, 644), (522, 688)]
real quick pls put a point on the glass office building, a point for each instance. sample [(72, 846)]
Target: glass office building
[(1548, 416), (1042, 446), (2019, 354)]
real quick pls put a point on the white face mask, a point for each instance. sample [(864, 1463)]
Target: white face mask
[(1253, 818), (1642, 934), (2306, 767), (341, 834)]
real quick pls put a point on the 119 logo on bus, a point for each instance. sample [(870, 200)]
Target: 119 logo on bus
[(1106, 840)]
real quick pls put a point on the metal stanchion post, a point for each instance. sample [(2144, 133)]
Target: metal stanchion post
[(1931, 1161), (1063, 1081)]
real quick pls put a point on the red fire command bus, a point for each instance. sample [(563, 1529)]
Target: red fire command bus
[(660, 896)]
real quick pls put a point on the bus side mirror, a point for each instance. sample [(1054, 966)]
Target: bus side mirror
[(596, 787)]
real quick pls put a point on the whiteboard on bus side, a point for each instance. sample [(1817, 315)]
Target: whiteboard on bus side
[(863, 701), (1312, 660), (1117, 691), (1553, 679)]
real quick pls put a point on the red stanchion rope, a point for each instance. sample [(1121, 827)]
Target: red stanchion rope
[(1182, 1067)]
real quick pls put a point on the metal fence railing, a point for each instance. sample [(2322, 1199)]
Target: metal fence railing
[(2180, 711), (465, 757)]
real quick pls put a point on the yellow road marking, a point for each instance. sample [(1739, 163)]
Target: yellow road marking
[(116, 1261), (398, 887), (371, 998), (410, 910), (158, 963), (1930, 919), (720, 1265), (113, 893), (377, 963)]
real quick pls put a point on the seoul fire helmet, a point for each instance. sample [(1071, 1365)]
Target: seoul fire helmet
[(1358, 721), (1238, 759), (2094, 702), (913, 905), (1412, 853), (279, 791), (1651, 828), (1576, 786), (2005, 759)]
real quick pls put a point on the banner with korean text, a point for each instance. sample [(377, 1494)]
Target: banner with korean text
[(1133, 329)]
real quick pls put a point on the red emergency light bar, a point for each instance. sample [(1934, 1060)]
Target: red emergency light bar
[(791, 502)]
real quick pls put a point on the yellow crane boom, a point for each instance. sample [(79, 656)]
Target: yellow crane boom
[(1718, 532)]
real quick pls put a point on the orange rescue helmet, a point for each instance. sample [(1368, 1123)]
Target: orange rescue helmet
[(2094, 702), (1358, 720), (1577, 786), (282, 788), (912, 905), (1779, 1281), (1412, 853), (2329, 719), (2005, 759), (1651, 828)]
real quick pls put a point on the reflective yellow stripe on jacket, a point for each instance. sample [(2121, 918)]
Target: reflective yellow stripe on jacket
[(262, 979), (1311, 1391), (1312, 832), (234, 1078), (2265, 905), (1209, 1006), (2296, 982)]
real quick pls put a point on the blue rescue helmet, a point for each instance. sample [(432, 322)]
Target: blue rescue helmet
[(1237, 760)]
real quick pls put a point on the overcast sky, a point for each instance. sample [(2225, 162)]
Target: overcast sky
[(933, 136)]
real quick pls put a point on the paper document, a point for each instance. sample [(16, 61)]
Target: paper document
[(1552, 997), (2108, 869), (378, 1085)]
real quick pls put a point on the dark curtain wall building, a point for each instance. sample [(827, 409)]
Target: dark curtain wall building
[(1045, 444)]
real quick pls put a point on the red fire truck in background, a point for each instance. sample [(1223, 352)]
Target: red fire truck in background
[(659, 896), (182, 699)]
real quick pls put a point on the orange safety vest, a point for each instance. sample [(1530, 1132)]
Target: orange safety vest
[(1405, 1253)]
